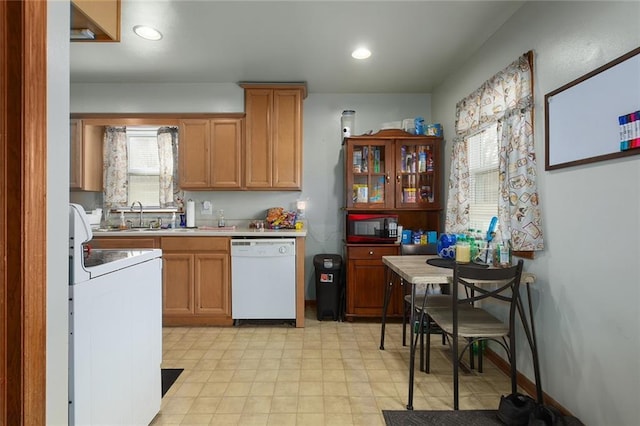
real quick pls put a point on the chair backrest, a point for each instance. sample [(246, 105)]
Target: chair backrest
[(414, 249), (507, 282)]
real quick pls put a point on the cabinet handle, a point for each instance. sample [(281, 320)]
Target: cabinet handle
[(371, 253), (388, 178), (398, 178)]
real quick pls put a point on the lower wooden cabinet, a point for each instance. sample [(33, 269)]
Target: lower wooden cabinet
[(366, 282), (196, 281)]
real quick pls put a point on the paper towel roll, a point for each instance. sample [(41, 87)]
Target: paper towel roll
[(191, 214)]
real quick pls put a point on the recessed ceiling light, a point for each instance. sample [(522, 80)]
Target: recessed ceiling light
[(147, 33), (361, 53)]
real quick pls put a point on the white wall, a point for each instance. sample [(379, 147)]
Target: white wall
[(57, 401), (587, 293), (322, 150)]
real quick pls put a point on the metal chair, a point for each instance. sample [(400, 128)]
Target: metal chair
[(432, 301), (474, 324)]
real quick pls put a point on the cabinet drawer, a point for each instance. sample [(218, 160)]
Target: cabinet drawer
[(195, 244), (371, 252), (123, 243)]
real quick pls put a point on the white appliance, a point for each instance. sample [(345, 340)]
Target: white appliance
[(263, 278), (115, 331)]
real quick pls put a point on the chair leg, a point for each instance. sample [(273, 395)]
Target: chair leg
[(427, 361), (404, 323), (479, 344), (456, 362), (421, 330)]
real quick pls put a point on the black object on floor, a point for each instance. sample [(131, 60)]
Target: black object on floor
[(169, 376), (441, 418)]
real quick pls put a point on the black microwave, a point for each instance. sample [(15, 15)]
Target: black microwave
[(372, 228)]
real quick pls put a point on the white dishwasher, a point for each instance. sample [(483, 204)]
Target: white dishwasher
[(263, 278)]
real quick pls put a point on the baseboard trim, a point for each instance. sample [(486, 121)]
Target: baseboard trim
[(527, 385)]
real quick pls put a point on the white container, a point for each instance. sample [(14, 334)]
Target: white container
[(348, 123)]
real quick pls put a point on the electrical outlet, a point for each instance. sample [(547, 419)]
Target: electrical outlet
[(207, 208)]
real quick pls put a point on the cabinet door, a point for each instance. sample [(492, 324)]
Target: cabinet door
[(75, 169), (417, 174), (366, 281), (226, 153), (86, 156), (211, 284), (369, 167), (177, 284), (258, 148), (287, 139), (194, 160)]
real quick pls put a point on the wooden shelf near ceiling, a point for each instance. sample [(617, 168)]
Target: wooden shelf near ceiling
[(102, 17)]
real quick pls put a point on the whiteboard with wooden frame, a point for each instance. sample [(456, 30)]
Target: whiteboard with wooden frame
[(581, 117)]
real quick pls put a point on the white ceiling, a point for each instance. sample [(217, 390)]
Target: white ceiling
[(415, 44)]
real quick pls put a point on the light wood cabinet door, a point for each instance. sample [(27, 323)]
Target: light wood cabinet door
[(194, 159), (75, 169), (197, 281), (226, 153), (273, 139), (210, 153), (86, 156), (177, 284), (287, 139), (212, 284), (258, 147)]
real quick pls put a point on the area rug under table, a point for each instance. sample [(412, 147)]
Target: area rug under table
[(441, 418)]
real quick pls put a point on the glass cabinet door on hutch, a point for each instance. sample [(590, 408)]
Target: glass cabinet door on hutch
[(417, 171), (369, 166)]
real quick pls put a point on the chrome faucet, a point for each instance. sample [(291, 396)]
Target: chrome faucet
[(133, 204)]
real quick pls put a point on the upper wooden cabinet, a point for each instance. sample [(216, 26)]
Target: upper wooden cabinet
[(393, 169), (85, 171), (102, 17), (273, 139), (210, 153)]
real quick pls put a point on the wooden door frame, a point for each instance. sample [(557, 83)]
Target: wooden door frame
[(23, 156)]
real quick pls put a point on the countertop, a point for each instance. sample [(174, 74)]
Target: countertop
[(205, 231)]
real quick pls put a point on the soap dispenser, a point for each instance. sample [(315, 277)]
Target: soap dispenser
[(221, 223)]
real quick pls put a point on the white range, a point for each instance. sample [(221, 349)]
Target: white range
[(115, 331)]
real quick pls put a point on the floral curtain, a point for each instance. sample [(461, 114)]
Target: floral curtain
[(170, 193), (114, 172), (505, 99)]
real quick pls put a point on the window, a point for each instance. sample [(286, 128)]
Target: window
[(144, 167), (482, 154)]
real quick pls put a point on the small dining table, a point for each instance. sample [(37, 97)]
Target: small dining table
[(416, 271)]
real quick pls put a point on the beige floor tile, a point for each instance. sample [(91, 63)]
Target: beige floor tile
[(284, 404), (338, 419), (205, 405), (225, 419), (238, 389), (282, 419), (310, 389), (311, 404), (196, 419), (311, 419), (231, 404), (257, 404), (287, 388), (328, 373)]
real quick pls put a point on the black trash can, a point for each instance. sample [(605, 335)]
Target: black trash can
[(328, 269)]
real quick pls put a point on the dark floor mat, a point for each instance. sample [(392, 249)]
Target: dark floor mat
[(441, 418), (169, 376)]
